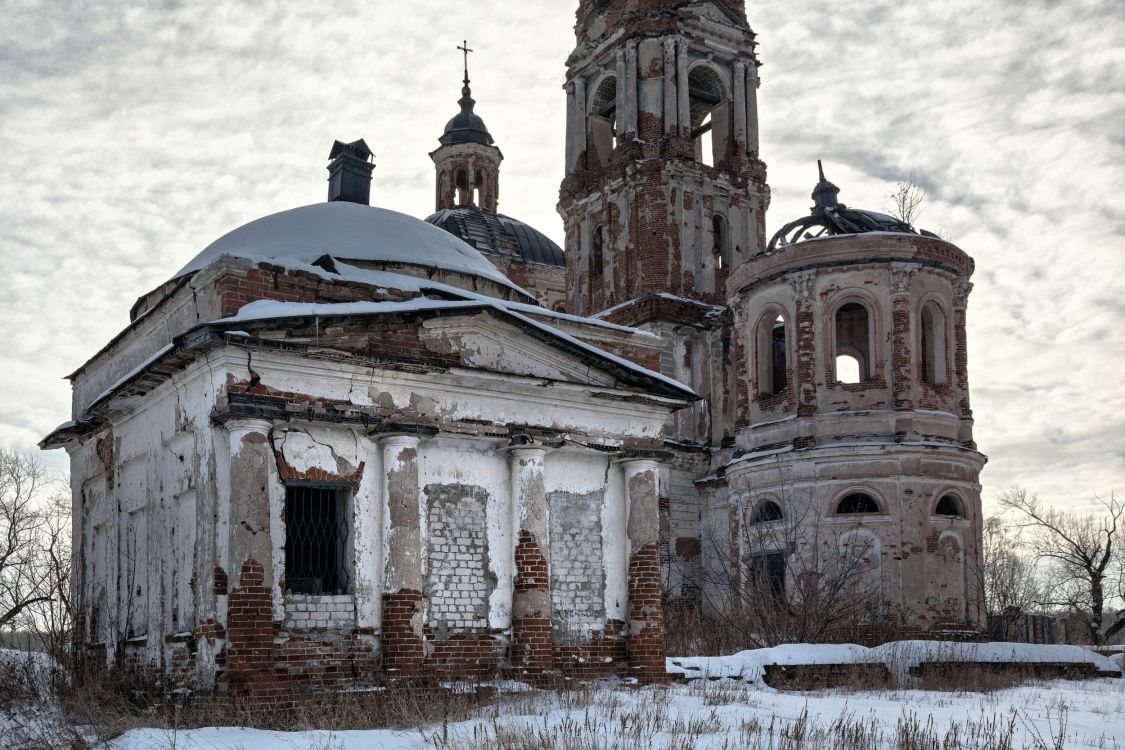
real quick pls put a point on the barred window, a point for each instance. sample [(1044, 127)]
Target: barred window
[(316, 540)]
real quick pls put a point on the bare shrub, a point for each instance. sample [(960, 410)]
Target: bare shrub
[(790, 579)]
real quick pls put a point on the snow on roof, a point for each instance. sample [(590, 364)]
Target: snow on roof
[(386, 280), (270, 309), (349, 231)]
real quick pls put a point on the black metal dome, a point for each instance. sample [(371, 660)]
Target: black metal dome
[(498, 235), (829, 217), (467, 126)]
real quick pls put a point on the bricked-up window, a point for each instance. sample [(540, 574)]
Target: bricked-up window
[(949, 506), (597, 252), (853, 339), (316, 539), (857, 503), (932, 327), (602, 120), (773, 352)]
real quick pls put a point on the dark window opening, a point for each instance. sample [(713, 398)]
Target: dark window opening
[(932, 327), (773, 372), (603, 119), (316, 540), (767, 511), (949, 506), (709, 115), (768, 573), (464, 190), (857, 503), (597, 252), (720, 239), (853, 341), (779, 373)]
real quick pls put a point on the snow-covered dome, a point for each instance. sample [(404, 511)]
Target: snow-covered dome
[(349, 232)]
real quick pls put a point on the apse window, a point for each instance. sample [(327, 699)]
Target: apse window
[(853, 343), (933, 344), (857, 503), (767, 512), (316, 540), (949, 506), (773, 366)]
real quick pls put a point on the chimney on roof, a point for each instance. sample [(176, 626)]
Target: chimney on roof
[(349, 172)]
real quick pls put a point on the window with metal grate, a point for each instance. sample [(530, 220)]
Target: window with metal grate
[(316, 540)]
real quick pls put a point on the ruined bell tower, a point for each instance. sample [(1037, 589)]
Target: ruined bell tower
[(664, 189), (664, 198)]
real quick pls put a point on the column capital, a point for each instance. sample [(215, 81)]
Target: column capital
[(247, 424), (524, 445), (398, 440)]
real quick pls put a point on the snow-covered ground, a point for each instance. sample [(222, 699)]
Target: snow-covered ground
[(725, 715)]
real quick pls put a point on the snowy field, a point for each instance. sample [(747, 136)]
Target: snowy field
[(728, 715)]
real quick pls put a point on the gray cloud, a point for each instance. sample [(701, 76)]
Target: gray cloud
[(135, 133)]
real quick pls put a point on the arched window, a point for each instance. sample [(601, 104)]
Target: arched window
[(932, 327), (603, 119), (720, 239), (710, 113), (767, 512), (560, 307), (853, 341), (478, 187), (464, 190), (857, 503), (949, 506), (773, 365), (597, 252)]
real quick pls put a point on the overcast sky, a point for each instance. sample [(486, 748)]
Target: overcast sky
[(132, 134)]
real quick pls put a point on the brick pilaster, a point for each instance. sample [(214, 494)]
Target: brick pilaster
[(402, 626), (532, 646), (645, 645)]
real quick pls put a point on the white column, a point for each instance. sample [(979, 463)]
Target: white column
[(740, 104), (531, 601), (367, 536), (752, 109), (254, 532), (404, 575), (683, 88), (671, 118)]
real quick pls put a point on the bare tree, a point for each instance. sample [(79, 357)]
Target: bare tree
[(1080, 553), (907, 200), (1008, 575), (34, 553)]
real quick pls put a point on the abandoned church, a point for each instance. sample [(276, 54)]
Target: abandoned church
[(343, 442)]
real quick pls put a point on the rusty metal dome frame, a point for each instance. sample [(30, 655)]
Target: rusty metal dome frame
[(830, 218)]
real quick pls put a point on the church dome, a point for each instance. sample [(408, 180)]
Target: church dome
[(349, 232), (499, 235)]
